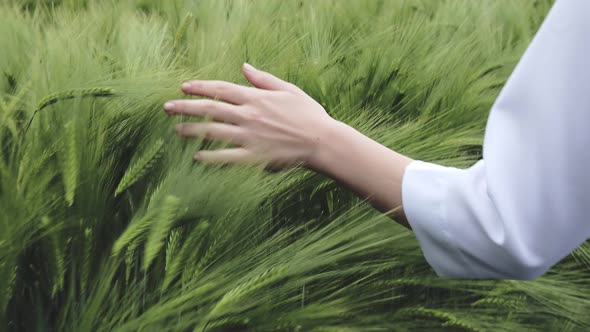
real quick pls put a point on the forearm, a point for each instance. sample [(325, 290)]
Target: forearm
[(368, 168)]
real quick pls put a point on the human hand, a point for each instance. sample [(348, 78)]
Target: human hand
[(276, 124), (273, 123)]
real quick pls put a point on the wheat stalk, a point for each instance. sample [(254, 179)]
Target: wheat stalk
[(160, 229), (11, 107), (8, 109), (69, 94), (189, 248), (70, 163), (224, 322), (129, 261), (86, 259), (134, 231), (181, 31), (449, 319), (58, 258), (60, 265), (211, 250), (140, 167), (31, 164), (172, 246), (73, 93), (9, 287), (511, 302), (247, 287)]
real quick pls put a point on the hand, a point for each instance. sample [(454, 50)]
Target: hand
[(273, 123), (276, 124)]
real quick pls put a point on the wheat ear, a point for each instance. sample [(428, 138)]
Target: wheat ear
[(160, 229), (134, 232), (87, 258), (189, 249), (70, 163), (73, 93), (140, 167), (69, 94), (182, 30), (247, 287)]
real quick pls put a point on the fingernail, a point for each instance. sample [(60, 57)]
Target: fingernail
[(248, 67), (169, 107), (186, 86), (197, 156), (178, 128)]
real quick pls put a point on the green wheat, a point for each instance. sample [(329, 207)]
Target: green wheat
[(181, 31), (74, 93), (141, 167), (160, 229)]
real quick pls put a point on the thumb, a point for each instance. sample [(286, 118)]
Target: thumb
[(266, 81)]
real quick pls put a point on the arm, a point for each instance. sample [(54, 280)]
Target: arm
[(368, 168), (512, 215), (525, 206), (276, 123)]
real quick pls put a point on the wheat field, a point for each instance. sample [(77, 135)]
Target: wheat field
[(108, 224)]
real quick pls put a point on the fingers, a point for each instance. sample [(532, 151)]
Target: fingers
[(205, 108), (212, 131), (235, 93), (266, 81), (229, 92), (226, 156)]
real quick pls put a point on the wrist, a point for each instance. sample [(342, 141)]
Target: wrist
[(331, 137)]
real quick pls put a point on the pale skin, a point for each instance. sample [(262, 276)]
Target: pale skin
[(276, 124)]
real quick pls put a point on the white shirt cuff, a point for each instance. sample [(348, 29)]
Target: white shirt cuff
[(424, 191)]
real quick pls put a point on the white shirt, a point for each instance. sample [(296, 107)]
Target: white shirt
[(526, 204)]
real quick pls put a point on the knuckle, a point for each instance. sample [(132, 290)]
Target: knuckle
[(248, 94), (290, 86), (219, 88), (230, 113), (207, 131), (279, 97), (210, 105), (267, 99), (182, 128), (253, 115), (209, 135), (285, 94), (294, 89)]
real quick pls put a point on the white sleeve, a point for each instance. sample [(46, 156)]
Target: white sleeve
[(526, 204)]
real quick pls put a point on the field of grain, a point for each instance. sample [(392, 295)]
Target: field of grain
[(108, 224)]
